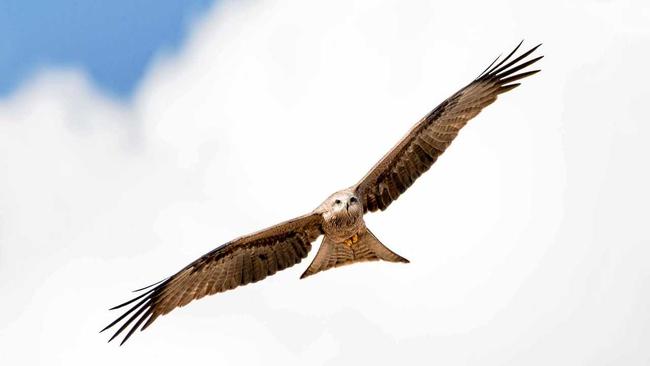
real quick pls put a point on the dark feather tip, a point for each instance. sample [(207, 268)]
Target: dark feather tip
[(152, 285)]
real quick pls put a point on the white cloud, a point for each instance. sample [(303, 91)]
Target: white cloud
[(527, 238)]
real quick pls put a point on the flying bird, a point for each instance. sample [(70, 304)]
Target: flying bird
[(253, 257)]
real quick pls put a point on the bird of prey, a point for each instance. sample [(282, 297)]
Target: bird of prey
[(253, 257)]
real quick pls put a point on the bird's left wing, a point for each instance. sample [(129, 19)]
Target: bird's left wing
[(244, 260), (428, 139)]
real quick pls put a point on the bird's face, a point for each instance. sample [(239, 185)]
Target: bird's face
[(346, 203)]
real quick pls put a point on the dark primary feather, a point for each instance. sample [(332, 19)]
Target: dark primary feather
[(428, 139), (244, 260)]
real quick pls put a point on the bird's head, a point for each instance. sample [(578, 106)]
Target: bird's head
[(345, 203)]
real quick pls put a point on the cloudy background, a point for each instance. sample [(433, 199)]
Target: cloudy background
[(134, 138)]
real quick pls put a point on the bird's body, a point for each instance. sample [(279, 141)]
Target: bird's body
[(346, 238), (339, 218), (342, 215)]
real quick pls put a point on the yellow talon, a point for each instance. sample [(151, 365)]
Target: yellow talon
[(353, 240)]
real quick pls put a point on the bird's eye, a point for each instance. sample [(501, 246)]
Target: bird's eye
[(353, 200), (337, 202)]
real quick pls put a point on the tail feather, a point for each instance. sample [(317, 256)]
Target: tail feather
[(367, 248), (381, 250)]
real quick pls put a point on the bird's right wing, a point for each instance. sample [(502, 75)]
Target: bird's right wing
[(428, 139), (244, 260)]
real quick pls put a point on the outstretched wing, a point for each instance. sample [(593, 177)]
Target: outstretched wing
[(428, 139), (244, 260)]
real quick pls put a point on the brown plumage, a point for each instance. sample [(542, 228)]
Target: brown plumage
[(253, 257), (244, 260), (427, 140)]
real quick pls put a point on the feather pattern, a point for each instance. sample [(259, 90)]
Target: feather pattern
[(429, 138), (244, 260)]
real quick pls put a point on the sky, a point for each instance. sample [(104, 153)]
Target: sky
[(528, 238), (113, 42)]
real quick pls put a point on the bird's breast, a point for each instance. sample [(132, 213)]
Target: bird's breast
[(341, 226)]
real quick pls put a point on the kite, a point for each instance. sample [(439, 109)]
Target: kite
[(339, 218)]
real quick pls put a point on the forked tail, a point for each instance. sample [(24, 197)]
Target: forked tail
[(361, 248)]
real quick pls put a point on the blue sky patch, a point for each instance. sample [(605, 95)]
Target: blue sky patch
[(112, 41)]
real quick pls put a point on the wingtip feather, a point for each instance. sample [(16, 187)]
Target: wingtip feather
[(491, 71), (519, 76), (507, 88), (152, 285), (132, 300)]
